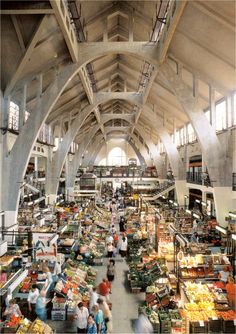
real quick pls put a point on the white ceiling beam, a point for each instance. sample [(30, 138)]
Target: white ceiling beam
[(26, 56), (18, 32), (213, 14), (63, 19), (203, 77), (86, 84), (27, 11)]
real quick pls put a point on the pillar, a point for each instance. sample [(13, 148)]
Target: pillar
[(22, 107)]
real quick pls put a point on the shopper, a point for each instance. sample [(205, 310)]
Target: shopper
[(109, 239), (49, 280), (111, 270), (231, 292), (123, 247), (223, 277), (113, 230), (122, 224), (107, 314), (99, 319), (93, 298), (81, 317), (40, 306), (110, 250), (12, 309), (56, 272), (115, 239), (143, 325), (32, 298), (92, 327), (104, 289)]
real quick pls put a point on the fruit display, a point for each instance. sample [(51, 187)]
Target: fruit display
[(39, 327), (198, 292), (227, 315), (24, 326), (13, 322), (194, 315), (6, 260)]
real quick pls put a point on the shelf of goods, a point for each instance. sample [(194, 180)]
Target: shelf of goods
[(58, 312), (37, 327), (76, 285), (143, 274), (164, 321), (22, 326), (207, 309), (201, 266), (165, 241)]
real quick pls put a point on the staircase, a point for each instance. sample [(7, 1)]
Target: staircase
[(164, 188)]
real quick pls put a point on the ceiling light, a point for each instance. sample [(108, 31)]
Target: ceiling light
[(197, 201)]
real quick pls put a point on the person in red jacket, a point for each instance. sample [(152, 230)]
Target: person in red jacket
[(104, 290)]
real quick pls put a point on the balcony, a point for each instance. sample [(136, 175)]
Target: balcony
[(199, 178), (234, 181)]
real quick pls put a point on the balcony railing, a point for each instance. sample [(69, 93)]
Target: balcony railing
[(198, 178), (234, 181)]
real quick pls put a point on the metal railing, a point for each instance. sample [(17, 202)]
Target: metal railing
[(198, 178), (234, 181)]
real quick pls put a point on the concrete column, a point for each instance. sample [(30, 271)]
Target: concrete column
[(218, 162), (36, 166), (105, 31), (212, 107), (131, 27), (70, 194), (22, 107), (223, 203), (181, 191)]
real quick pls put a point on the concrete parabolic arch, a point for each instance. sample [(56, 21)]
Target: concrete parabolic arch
[(23, 146)]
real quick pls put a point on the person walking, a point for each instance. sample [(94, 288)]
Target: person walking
[(107, 314), (110, 250), (32, 298), (92, 327), (93, 298), (104, 289), (81, 317), (111, 270), (123, 247), (99, 319), (40, 306)]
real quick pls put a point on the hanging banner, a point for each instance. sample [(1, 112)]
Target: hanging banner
[(45, 246)]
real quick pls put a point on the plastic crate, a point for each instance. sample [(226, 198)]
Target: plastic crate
[(198, 327), (215, 326), (229, 326), (135, 289), (58, 315), (98, 261)]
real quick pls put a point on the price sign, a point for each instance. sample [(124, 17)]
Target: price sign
[(201, 323), (214, 318), (234, 322)]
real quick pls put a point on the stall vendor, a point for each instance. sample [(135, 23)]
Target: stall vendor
[(12, 309)]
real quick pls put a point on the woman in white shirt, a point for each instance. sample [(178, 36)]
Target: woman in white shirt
[(32, 298), (81, 317), (123, 247)]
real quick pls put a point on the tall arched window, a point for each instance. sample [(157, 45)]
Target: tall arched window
[(117, 157)]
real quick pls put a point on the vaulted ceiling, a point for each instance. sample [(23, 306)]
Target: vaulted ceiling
[(34, 44)]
